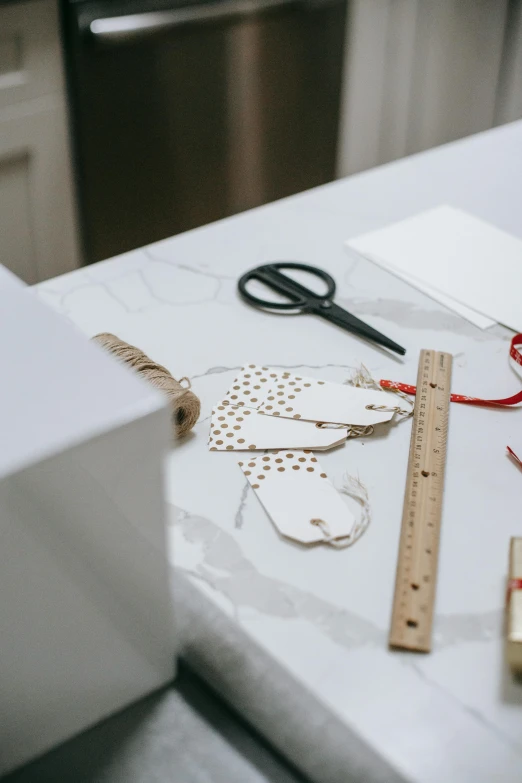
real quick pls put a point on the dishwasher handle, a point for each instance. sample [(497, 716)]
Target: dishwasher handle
[(118, 29)]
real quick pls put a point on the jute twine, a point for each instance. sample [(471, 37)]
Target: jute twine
[(184, 403), (354, 488)]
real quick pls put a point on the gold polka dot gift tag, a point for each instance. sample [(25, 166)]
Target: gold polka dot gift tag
[(281, 394), (299, 498), (238, 428), (251, 386), (310, 399)]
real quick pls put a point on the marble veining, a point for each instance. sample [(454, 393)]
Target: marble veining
[(224, 568)]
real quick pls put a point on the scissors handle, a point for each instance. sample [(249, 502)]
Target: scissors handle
[(301, 298)]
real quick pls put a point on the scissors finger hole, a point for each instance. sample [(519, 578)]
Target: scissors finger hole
[(310, 280), (260, 291)]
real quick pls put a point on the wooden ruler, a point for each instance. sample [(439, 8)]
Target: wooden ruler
[(416, 579)]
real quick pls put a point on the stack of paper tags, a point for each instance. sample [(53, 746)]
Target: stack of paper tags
[(270, 409), (273, 409)]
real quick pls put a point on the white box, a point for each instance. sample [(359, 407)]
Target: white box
[(85, 606)]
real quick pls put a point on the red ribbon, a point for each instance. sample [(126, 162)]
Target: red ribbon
[(514, 354), (512, 585), (512, 454)]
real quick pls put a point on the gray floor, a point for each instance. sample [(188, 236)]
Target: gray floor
[(184, 734)]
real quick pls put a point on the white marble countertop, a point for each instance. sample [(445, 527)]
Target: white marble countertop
[(318, 619)]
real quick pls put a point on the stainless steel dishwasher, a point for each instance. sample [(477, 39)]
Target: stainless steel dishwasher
[(184, 114)]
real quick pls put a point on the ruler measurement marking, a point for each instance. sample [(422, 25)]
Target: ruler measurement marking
[(414, 597)]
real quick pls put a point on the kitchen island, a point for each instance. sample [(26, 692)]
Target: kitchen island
[(296, 639)]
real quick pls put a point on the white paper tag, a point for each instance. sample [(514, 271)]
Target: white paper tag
[(251, 386), (238, 428), (299, 397), (298, 496), (283, 394)]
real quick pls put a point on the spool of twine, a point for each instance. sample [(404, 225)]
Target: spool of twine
[(184, 403)]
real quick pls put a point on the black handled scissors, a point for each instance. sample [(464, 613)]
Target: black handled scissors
[(305, 301)]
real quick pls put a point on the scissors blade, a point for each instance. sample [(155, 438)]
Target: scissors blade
[(346, 320)]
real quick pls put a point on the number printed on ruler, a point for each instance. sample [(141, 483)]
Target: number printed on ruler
[(415, 584)]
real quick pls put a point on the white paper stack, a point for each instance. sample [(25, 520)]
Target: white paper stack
[(470, 266)]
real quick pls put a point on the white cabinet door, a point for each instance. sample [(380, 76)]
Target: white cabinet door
[(37, 222), (30, 51), (509, 101), (417, 74), (456, 70)]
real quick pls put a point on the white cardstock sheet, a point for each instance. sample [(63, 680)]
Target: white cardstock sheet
[(457, 254)]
